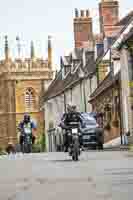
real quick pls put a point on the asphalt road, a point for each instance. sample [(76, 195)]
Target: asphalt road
[(53, 176)]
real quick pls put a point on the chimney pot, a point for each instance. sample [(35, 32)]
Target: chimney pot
[(76, 12), (82, 13), (87, 13)]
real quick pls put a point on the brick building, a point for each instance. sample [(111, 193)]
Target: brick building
[(21, 85), (109, 16)]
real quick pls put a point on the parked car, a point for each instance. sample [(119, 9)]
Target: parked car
[(92, 134)]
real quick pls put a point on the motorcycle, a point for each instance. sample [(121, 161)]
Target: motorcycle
[(74, 141), (27, 140), (27, 143)]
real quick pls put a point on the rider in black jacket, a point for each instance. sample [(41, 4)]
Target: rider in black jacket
[(71, 116)]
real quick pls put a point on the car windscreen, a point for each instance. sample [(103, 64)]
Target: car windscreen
[(88, 120)]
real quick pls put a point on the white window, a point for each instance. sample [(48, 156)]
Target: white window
[(29, 99)]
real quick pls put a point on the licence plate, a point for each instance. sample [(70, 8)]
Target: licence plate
[(74, 131), (27, 130)]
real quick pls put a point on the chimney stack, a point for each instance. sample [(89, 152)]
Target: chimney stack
[(49, 52), (82, 13), (87, 13), (76, 13), (109, 16), (82, 28)]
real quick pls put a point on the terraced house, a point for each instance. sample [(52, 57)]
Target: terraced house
[(113, 96), (74, 80), (90, 76)]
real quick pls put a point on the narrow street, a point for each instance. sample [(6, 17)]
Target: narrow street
[(53, 176)]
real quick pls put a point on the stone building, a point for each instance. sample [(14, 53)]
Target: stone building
[(21, 84), (112, 97), (102, 82), (105, 101), (124, 44), (74, 81), (72, 84)]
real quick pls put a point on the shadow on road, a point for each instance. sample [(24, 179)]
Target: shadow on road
[(64, 160)]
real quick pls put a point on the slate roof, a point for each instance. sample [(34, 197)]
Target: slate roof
[(125, 20), (128, 36), (109, 79), (59, 85), (104, 85)]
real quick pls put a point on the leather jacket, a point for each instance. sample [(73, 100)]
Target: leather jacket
[(71, 118)]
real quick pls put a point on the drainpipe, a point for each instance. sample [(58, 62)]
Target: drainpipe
[(84, 94), (64, 102), (131, 57), (121, 118), (97, 73)]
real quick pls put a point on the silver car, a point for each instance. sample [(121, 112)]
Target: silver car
[(92, 134)]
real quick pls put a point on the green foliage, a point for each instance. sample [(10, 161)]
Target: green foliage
[(2, 152), (39, 146), (36, 148)]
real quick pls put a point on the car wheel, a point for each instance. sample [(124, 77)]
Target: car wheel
[(100, 146), (94, 147)]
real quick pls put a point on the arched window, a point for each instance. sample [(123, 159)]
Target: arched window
[(29, 99)]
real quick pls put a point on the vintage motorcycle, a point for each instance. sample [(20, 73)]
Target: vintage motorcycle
[(27, 144), (27, 140), (74, 140)]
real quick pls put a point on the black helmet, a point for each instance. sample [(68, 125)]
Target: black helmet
[(26, 118)]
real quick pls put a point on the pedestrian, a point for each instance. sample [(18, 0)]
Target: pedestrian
[(10, 148)]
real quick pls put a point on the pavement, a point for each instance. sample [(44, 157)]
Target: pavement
[(54, 176)]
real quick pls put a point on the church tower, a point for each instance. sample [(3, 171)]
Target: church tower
[(32, 51), (6, 49)]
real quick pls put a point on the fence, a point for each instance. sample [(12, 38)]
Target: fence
[(55, 140)]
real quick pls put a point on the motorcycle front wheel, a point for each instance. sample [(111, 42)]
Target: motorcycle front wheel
[(27, 148), (75, 156), (75, 153)]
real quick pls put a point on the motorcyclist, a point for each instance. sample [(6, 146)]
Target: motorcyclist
[(26, 125), (70, 116)]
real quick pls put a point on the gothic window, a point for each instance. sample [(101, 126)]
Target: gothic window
[(29, 99)]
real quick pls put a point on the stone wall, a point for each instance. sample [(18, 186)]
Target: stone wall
[(126, 92), (111, 119), (7, 114)]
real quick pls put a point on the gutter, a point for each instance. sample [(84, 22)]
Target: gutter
[(62, 91), (108, 85), (118, 42)]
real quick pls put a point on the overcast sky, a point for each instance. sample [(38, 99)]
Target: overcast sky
[(36, 19)]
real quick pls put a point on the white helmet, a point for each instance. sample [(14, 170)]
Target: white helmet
[(71, 107)]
